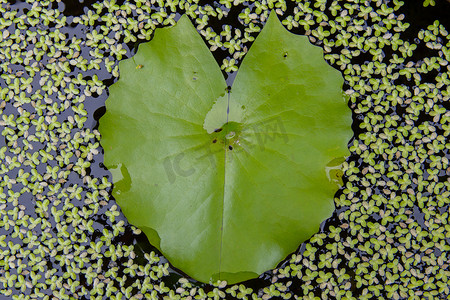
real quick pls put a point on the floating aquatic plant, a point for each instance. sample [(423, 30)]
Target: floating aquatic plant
[(408, 226), (225, 181)]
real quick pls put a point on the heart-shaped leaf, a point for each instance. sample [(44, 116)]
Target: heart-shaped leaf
[(225, 182)]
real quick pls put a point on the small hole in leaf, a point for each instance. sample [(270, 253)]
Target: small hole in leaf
[(218, 130), (214, 141), (285, 54)]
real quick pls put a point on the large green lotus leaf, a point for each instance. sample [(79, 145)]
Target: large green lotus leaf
[(225, 182)]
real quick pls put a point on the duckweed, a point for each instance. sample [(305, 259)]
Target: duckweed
[(62, 233)]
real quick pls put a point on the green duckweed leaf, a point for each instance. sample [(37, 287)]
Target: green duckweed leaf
[(226, 182)]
